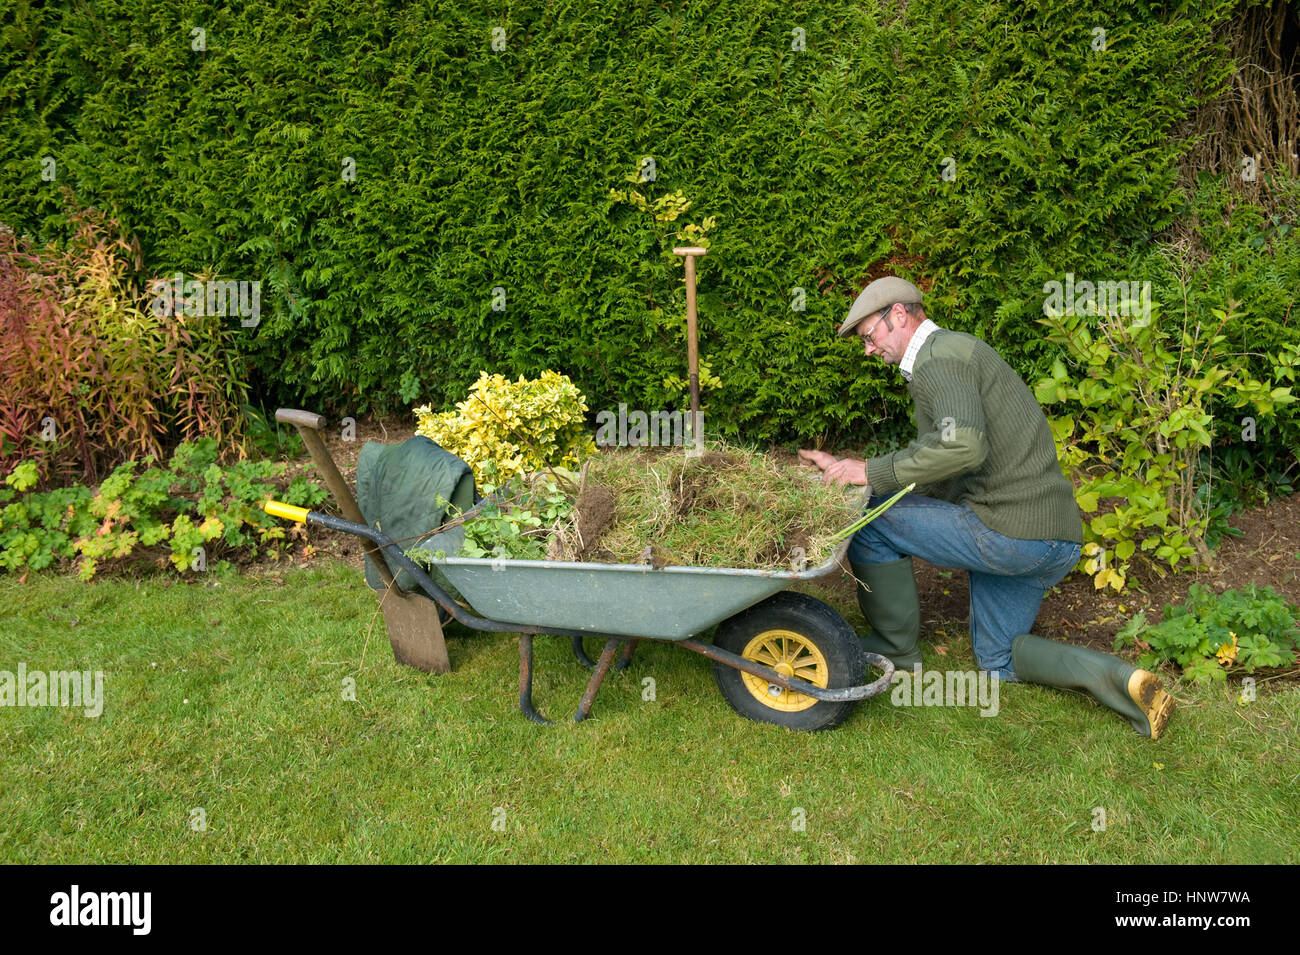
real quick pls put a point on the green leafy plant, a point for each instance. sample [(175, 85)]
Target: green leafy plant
[(1208, 633), (409, 387), (37, 530), (518, 426), (518, 521), (1138, 420), (270, 438), (193, 502)]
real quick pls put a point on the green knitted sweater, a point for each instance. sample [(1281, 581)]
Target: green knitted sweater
[(982, 441)]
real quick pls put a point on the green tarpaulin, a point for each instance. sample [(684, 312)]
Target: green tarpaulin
[(398, 490)]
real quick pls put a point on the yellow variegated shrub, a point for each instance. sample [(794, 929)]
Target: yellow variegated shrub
[(519, 426)]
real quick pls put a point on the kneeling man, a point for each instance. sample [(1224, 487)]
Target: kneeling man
[(990, 499)]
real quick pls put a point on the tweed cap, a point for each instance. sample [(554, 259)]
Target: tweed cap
[(881, 293)]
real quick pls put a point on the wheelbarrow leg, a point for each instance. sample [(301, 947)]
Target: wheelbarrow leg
[(597, 678), (581, 654), (526, 679), (624, 662)]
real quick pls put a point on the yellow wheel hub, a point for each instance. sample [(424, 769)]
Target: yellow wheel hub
[(789, 654)]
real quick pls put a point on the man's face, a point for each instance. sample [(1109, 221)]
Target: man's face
[(878, 339)]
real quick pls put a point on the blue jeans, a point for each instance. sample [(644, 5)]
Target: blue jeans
[(1008, 576)]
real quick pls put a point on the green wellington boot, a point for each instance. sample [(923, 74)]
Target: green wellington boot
[(1133, 693), (892, 610)]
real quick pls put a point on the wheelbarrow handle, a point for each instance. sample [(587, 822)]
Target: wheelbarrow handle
[(385, 543), (310, 425)]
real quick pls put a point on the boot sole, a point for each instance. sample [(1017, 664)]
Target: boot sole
[(1157, 705)]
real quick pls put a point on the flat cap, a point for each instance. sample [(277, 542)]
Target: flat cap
[(881, 293)]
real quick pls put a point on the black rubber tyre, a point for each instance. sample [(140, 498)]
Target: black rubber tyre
[(813, 640)]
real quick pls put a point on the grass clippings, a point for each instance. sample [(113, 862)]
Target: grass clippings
[(728, 508)]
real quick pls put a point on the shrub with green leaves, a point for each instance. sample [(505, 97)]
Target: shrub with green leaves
[(518, 521), (1136, 395), (1249, 628), (1251, 258), (163, 514), (507, 428)]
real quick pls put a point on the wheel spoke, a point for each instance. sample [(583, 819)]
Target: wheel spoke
[(803, 658)]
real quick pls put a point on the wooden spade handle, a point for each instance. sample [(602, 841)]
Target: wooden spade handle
[(310, 425)]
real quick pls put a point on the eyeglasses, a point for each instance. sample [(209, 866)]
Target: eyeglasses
[(870, 333)]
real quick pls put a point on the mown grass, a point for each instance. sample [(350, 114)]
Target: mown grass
[(227, 696), (733, 507)]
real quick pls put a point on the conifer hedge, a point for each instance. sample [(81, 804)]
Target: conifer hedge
[(428, 190)]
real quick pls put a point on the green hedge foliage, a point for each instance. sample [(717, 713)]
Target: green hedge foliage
[(487, 140)]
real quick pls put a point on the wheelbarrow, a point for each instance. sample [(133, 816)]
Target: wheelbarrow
[(778, 656)]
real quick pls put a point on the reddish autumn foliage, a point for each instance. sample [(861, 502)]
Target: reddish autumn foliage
[(91, 375)]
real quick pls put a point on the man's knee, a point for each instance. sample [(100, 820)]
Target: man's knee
[(870, 546)]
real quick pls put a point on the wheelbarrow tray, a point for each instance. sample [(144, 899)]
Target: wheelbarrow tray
[(634, 600)]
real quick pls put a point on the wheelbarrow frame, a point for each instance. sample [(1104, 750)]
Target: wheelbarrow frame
[(309, 425), (612, 641)]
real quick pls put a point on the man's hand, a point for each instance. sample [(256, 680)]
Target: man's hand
[(837, 471), (819, 458)]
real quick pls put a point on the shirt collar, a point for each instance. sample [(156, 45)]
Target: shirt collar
[(923, 331)]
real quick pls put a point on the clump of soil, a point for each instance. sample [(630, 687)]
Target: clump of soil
[(594, 513)]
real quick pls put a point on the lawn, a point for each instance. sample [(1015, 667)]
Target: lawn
[(227, 736)]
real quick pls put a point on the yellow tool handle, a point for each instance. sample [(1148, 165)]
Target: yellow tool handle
[(287, 511)]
